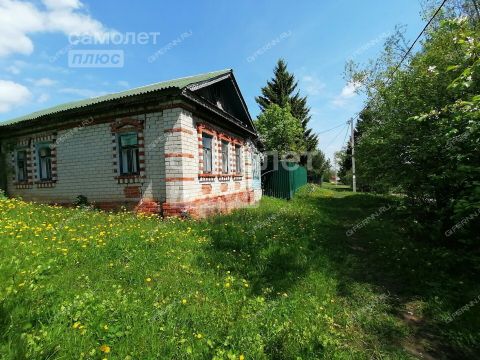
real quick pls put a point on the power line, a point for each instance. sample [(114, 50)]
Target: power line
[(336, 136), (410, 48), (418, 38), (351, 122), (325, 131), (343, 142)]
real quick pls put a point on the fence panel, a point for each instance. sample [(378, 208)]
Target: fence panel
[(284, 181)]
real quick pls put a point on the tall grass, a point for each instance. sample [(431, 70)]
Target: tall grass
[(281, 281)]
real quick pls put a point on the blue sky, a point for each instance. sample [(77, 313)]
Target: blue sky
[(315, 37)]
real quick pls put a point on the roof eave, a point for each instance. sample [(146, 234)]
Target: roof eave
[(54, 119), (190, 95)]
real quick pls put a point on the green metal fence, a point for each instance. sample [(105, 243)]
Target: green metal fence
[(283, 180)]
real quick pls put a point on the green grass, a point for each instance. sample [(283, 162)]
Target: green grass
[(280, 281)]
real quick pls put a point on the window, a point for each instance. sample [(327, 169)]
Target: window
[(128, 153), (224, 157), (238, 159), (45, 162), (256, 166), (22, 165), (207, 153)]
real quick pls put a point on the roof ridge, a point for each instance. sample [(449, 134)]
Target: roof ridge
[(175, 79)]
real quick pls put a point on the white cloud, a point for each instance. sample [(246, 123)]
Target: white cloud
[(349, 91), (312, 85), (59, 4), (43, 82), (43, 98), (12, 94), (20, 19), (15, 70)]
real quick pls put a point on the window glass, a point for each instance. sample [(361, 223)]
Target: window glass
[(238, 159), (256, 166), (22, 165), (207, 153), (224, 157), (129, 154), (45, 162)]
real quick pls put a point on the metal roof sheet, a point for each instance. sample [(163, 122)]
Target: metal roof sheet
[(179, 83)]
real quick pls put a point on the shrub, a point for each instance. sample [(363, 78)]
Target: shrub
[(81, 200)]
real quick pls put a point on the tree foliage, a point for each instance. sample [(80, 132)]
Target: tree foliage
[(279, 130), (421, 135), (282, 90)]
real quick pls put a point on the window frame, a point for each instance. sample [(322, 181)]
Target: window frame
[(136, 150), (25, 165), (256, 170), (238, 159), (48, 162), (225, 151), (207, 153)]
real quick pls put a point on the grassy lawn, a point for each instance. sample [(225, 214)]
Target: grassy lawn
[(281, 281)]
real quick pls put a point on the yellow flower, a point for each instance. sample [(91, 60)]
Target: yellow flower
[(184, 301), (105, 348), (227, 285), (148, 279), (199, 336), (242, 357), (76, 324)]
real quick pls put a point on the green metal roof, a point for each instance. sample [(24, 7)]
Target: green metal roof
[(180, 83)]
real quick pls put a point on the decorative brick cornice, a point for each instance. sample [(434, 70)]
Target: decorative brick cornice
[(117, 125)]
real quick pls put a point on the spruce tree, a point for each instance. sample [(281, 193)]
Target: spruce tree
[(282, 90)]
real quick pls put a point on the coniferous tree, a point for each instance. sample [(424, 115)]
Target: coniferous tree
[(282, 90)]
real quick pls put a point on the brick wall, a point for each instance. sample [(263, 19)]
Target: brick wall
[(86, 165), (188, 189), (170, 180)]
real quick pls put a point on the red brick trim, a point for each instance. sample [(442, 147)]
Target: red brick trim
[(179, 155), (172, 179), (132, 192), (117, 126), (209, 205)]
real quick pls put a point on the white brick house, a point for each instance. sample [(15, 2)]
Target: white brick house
[(175, 147)]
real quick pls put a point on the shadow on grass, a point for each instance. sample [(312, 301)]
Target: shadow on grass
[(278, 244)]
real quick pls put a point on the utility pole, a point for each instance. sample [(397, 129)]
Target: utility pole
[(335, 167), (354, 179)]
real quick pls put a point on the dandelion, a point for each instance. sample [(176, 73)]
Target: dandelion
[(148, 279), (227, 285), (105, 349), (241, 357), (184, 301)]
